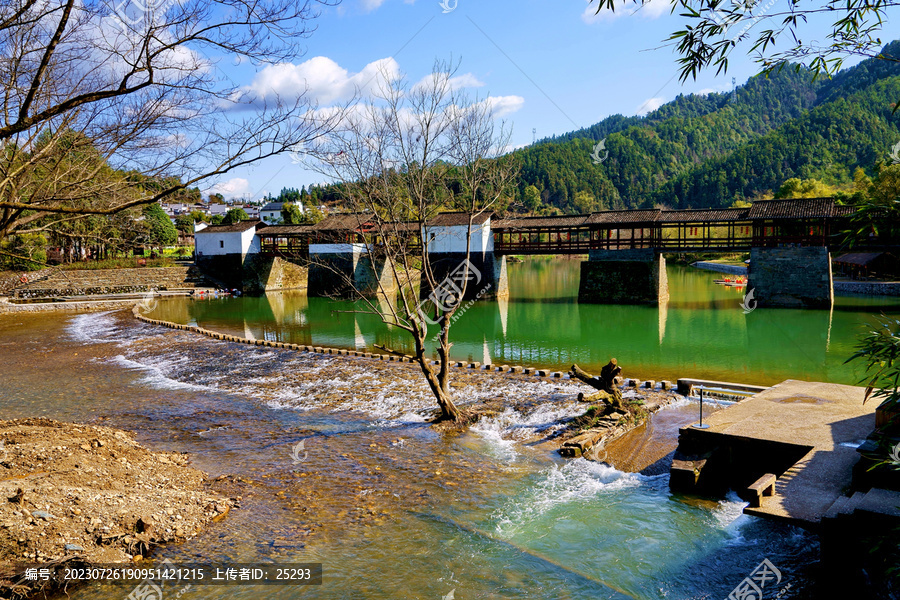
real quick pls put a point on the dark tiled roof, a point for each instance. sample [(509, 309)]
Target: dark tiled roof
[(535, 222), (793, 208), (234, 228), (704, 215), (413, 226), (287, 229), (841, 210), (343, 222), (454, 219), (273, 206), (858, 258), (623, 217)]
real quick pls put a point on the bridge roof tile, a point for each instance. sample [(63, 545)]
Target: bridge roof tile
[(616, 217), (704, 215), (342, 222), (286, 229), (841, 210), (455, 219), (540, 222), (794, 208)]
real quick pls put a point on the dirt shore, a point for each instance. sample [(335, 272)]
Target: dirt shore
[(93, 493)]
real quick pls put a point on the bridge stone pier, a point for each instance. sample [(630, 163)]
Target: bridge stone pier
[(792, 277), (488, 278), (624, 277), (346, 271), (445, 237)]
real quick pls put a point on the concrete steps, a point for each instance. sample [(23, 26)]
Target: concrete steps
[(876, 500)]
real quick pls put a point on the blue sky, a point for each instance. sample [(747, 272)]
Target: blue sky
[(550, 66)]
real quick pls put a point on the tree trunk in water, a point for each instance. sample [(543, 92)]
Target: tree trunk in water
[(449, 411), (438, 382), (606, 383)]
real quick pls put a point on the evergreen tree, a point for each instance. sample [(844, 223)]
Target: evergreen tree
[(235, 215), (160, 229)]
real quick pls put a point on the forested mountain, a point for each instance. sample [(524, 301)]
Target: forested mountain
[(711, 150)]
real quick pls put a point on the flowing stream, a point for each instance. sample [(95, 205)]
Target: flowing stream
[(395, 510)]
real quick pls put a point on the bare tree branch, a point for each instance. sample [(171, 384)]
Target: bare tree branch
[(403, 157)]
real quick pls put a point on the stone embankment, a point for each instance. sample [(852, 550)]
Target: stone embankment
[(85, 306), (720, 268), (11, 282), (83, 494), (864, 288), (868, 288), (89, 282)]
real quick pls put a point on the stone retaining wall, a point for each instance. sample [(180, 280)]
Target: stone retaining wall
[(88, 282), (87, 306), (868, 288), (8, 284), (720, 268)]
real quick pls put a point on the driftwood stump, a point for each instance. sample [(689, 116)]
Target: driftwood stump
[(608, 393)]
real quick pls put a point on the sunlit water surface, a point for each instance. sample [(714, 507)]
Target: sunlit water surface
[(390, 507), (701, 332)]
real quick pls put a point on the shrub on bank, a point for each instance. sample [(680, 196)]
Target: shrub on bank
[(23, 252)]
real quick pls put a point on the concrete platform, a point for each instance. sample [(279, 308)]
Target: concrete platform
[(806, 433)]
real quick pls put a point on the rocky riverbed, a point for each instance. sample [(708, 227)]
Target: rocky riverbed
[(92, 493)]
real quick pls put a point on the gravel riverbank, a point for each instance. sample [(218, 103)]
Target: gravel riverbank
[(93, 493)]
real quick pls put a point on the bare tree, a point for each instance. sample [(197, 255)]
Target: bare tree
[(101, 97), (403, 157)]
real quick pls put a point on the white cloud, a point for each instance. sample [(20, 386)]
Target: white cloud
[(706, 91), (179, 140), (513, 147), (505, 105), (467, 80), (652, 9), (322, 79), (655, 9), (649, 105), (233, 188)]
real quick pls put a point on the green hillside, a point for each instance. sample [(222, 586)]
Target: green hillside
[(711, 150)]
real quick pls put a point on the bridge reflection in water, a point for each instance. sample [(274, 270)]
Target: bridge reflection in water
[(701, 332)]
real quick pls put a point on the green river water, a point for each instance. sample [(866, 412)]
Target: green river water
[(701, 332), (395, 510)]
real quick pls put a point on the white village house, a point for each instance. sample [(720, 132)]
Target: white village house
[(270, 214), (446, 233), (220, 240)]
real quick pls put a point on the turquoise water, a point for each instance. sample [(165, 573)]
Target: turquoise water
[(390, 507), (701, 332), (394, 509)]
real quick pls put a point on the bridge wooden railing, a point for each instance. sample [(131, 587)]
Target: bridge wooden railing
[(665, 240)]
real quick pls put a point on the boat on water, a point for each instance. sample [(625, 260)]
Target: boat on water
[(738, 282)]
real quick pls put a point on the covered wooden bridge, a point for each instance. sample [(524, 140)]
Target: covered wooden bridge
[(767, 223)]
